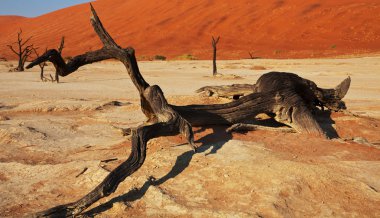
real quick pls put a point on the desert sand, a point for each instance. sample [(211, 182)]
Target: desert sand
[(266, 28), (54, 139)]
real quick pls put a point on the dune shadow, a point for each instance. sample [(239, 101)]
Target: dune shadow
[(214, 140)]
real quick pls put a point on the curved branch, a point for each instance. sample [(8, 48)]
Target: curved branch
[(12, 49), (168, 121), (27, 40), (61, 45), (101, 31), (64, 69)]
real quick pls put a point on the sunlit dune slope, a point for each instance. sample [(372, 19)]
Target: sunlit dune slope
[(266, 28)]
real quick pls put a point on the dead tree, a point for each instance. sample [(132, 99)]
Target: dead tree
[(22, 51), (42, 66), (251, 55), (214, 43), (164, 119)]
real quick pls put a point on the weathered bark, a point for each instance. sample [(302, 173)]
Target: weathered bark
[(60, 48), (234, 91), (22, 51), (250, 127), (308, 90), (164, 119), (214, 42), (61, 45), (285, 104)]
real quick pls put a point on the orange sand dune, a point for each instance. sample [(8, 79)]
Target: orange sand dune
[(268, 28)]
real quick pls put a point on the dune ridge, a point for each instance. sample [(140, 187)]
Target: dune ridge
[(268, 29)]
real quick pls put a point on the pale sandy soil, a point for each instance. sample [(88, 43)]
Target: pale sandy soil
[(50, 133)]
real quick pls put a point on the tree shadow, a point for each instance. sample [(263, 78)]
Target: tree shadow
[(214, 140), (326, 123)]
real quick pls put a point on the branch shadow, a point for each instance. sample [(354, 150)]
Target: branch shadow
[(214, 140), (327, 123)]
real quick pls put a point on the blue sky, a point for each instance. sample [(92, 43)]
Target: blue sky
[(33, 8)]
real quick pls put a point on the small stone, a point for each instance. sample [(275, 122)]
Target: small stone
[(360, 140), (3, 118)]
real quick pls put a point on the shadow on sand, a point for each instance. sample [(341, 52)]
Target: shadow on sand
[(326, 123), (214, 140)]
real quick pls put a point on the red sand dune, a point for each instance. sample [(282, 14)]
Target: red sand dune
[(268, 28)]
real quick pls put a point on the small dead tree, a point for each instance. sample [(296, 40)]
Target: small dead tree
[(22, 51), (42, 65), (214, 43), (251, 55)]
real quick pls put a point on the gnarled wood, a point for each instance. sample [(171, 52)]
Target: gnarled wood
[(311, 94), (285, 102), (214, 42), (250, 127), (60, 49), (234, 91), (308, 90)]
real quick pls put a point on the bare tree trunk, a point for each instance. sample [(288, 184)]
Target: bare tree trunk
[(20, 66), (165, 119), (214, 43)]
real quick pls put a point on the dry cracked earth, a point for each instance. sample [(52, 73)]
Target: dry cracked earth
[(58, 141)]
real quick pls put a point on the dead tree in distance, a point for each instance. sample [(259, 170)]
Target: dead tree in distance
[(251, 55), (164, 119), (214, 42), (42, 66), (22, 51)]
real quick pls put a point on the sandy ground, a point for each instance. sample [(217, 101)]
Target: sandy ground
[(53, 138)]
